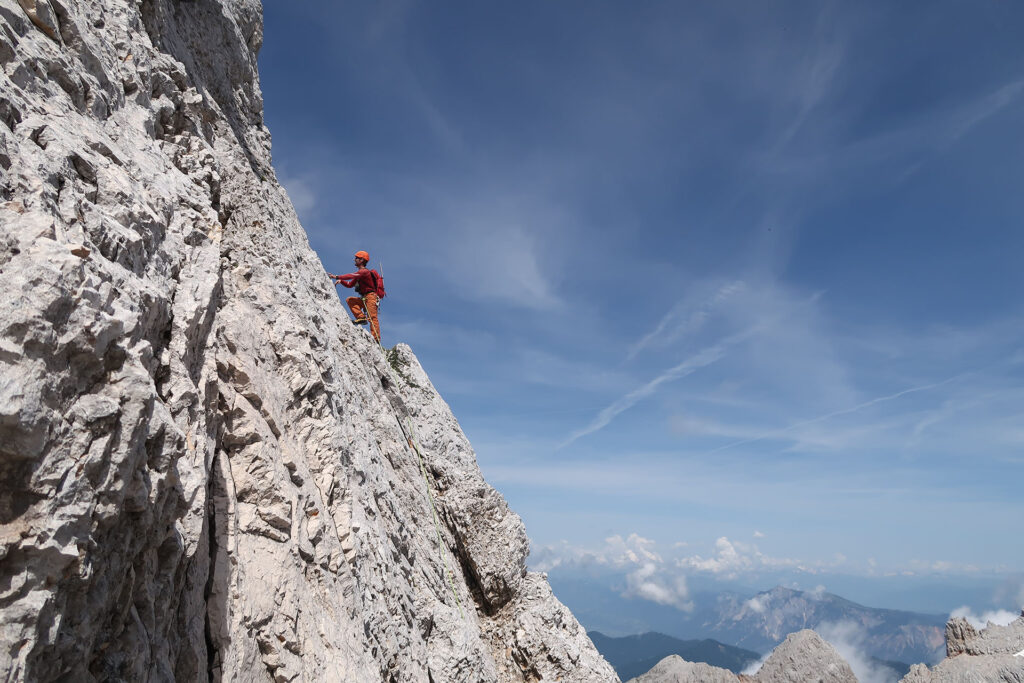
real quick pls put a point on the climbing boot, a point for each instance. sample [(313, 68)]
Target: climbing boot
[(360, 321)]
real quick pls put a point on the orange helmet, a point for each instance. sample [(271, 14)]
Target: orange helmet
[(363, 255)]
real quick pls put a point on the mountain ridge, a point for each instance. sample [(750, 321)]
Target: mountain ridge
[(634, 655), (728, 617), (763, 620)]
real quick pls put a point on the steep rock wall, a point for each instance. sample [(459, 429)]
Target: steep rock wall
[(206, 473)]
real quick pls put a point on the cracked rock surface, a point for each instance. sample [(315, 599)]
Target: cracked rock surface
[(994, 654), (206, 473), (802, 657)]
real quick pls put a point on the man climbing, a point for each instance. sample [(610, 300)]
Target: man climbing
[(369, 286)]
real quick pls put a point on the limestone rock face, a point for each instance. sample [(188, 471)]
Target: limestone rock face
[(675, 669), (805, 656), (996, 654), (801, 658), (207, 473)]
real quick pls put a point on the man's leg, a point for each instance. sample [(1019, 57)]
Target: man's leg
[(371, 308), (355, 304)]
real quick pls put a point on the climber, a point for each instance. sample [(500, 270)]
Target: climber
[(369, 286)]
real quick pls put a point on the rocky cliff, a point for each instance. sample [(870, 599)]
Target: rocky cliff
[(205, 471), (995, 654), (802, 656)]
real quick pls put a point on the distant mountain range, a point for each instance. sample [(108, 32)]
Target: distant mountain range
[(758, 621), (762, 621), (631, 656)]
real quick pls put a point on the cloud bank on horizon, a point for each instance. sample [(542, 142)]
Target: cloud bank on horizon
[(691, 269)]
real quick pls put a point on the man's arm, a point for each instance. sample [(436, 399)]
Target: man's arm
[(348, 279)]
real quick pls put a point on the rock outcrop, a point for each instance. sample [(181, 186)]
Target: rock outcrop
[(994, 654), (803, 656), (675, 669), (206, 473)]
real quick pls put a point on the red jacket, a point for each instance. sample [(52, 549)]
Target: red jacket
[(362, 280)]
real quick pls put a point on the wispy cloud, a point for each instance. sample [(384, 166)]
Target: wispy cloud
[(733, 558), (502, 261), (952, 124), (647, 575), (999, 617), (648, 583), (702, 359), (303, 194), (848, 638), (616, 551), (501, 209), (684, 318), (827, 416)]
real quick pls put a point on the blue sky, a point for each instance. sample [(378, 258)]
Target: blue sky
[(737, 284)]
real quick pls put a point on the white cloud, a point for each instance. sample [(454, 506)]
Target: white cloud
[(650, 582), (758, 534), (1000, 617), (647, 575), (848, 639), (617, 552), (754, 667), (757, 604), (632, 549), (732, 558), (302, 193)]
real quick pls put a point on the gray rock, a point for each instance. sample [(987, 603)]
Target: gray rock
[(42, 15), (804, 656), (962, 638), (205, 471), (675, 669), (996, 654)]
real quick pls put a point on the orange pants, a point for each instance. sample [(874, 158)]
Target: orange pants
[(355, 304)]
